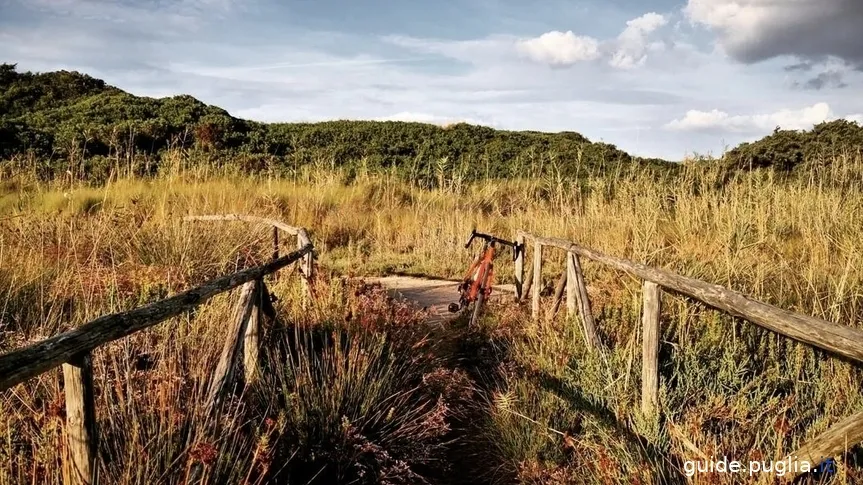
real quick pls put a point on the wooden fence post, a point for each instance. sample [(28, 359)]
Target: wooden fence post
[(558, 294), (223, 377), (519, 268), (537, 278), (576, 298), (571, 290), (251, 339), (305, 267), (528, 283), (650, 352), (81, 431)]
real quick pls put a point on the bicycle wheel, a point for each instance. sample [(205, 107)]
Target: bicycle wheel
[(477, 308), (480, 297)]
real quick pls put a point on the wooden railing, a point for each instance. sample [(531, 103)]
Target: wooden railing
[(73, 349), (840, 340), (302, 236)]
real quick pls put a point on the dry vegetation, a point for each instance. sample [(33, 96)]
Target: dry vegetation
[(358, 392)]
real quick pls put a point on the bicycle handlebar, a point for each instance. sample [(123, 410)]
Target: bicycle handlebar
[(492, 239)]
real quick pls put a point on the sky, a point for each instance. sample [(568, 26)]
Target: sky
[(657, 78)]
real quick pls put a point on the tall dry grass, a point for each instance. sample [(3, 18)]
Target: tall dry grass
[(552, 412)]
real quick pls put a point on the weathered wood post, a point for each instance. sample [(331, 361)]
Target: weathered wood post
[(305, 267), (519, 267), (571, 291), (577, 299), (81, 431), (275, 243), (251, 339), (558, 294), (528, 283), (223, 376), (650, 351), (537, 278)]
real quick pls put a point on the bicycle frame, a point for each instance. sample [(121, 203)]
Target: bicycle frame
[(481, 271), (477, 283)]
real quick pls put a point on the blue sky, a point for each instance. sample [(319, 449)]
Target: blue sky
[(655, 77)]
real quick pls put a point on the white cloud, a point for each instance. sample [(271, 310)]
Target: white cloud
[(300, 75), (632, 43), (559, 48), (716, 120), (627, 51)]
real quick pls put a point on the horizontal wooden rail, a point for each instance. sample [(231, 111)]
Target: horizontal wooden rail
[(20, 365), (306, 266), (838, 339), (832, 337), (238, 217), (838, 439)]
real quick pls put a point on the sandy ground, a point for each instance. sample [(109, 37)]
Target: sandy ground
[(433, 295)]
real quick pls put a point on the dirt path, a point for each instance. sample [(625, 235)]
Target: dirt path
[(432, 294)]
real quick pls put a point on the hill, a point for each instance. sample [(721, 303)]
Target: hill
[(68, 119), (791, 150), (63, 116), (356, 386)]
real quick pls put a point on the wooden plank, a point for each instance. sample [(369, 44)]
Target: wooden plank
[(223, 377), (537, 279), (841, 437), (251, 338), (519, 268), (650, 352), (838, 339), (81, 431), (558, 294), (583, 302), (244, 218), (22, 364)]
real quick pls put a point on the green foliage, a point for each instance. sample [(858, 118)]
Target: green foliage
[(70, 119), (22, 93), (65, 116), (788, 149)]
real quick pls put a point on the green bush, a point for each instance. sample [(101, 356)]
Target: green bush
[(70, 116), (787, 150)]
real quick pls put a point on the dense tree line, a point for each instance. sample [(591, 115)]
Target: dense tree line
[(68, 118), (790, 150), (63, 116)]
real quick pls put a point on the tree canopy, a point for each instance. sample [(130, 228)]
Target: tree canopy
[(60, 116)]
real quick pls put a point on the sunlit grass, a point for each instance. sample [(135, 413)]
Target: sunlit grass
[(70, 252)]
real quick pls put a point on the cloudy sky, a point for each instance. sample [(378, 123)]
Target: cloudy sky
[(654, 77)]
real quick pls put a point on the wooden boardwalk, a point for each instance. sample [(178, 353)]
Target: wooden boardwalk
[(433, 295)]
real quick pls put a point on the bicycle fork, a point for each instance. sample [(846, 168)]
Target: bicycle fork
[(475, 282)]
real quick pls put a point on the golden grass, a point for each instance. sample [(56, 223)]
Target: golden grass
[(70, 252)]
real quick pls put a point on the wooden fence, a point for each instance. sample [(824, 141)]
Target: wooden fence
[(73, 349), (840, 340)]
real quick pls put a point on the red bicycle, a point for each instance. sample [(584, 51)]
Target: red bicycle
[(477, 283)]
